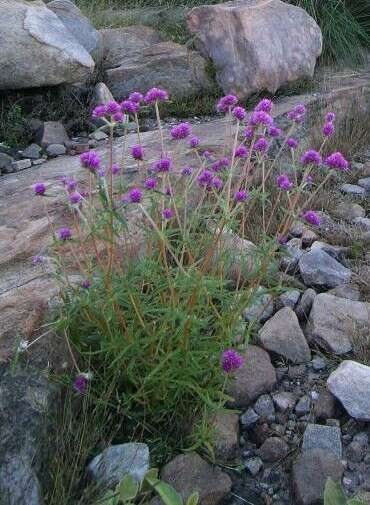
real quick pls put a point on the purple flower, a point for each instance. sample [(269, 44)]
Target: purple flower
[(261, 145), (205, 178), (221, 164), (282, 239), (241, 195), (167, 213), (231, 361), (150, 183), (207, 154), (130, 107), (311, 157), (312, 218), (248, 132), (328, 129), (118, 117), (292, 143), (241, 152), (112, 107), (80, 384), (64, 233), (186, 171), (283, 182), (156, 95), (39, 188), (38, 260), (135, 195), (70, 184), (181, 131), (298, 113), (85, 284), (194, 141), (299, 109), (226, 103), (136, 97), (115, 169), (264, 105), (274, 131), (338, 161), (239, 113), (330, 117), (99, 112), (90, 160), (162, 165), (75, 198), (137, 152), (217, 182), (261, 118)]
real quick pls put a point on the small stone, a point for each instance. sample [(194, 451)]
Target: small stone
[(56, 149), (284, 401), (354, 394), (348, 211), (253, 465), (288, 299), (326, 406), (6, 162), (346, 291), (310, 473), (303, 406), (362, 222), (317, 436), (337, 252), (264, 406), (52, 132), (333, 422), (80, 147), (261, 307), (364, 183), (108, 468), (318, 363), (290, 255), (226, 428), (98, 135), (304, 306), (308, 237), (294, 372), (353, 189), (356, 451), (39, 162), (249, 418), (19, 165), (319, 269), (33, 152), (273, 449)]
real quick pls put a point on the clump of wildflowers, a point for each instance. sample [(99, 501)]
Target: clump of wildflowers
[(239, 113), (135, 195), (337, 161), (167, 213), (136, 97), (151, 183), (241, 195), (311, 157), (261, 145), (284, 183), (90, 160), (231, 361), (130, 107), (181, 131), (75, 198), (39, 188), (328, 129), (64, 234), (194, 141), (261, 117), (226, 103), (264, 105), (155, 95), (241, 152), (292, 143), (312, 218), (137, 152)]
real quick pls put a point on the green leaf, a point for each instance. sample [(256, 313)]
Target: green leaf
[(356, 501), (193, 499), (109, 498), (168, 494), (151, 477), (128, 488), (333, 494)]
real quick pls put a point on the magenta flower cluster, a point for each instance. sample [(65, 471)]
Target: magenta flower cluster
[(284, 182), (337, 161), (312, 218), (311, 157), (226, 103), (231, 361), (181, 131), (90, 160)]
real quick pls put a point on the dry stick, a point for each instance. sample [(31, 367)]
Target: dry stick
[(71, 352), (232, 165)]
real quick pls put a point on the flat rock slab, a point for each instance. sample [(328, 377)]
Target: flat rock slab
[(317, 436), (350, 383), (320, 270), (283, 336), (333, 320)]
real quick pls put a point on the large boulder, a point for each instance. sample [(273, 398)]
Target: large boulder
[(79, 26), (37, 49), (256, 44), (320, 270)]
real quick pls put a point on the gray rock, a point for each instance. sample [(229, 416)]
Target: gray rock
[(288, 299), (264, 406), (26, 401), (102, 94), (256, 377), (260, 308), (303, 406), (273, 449), (19, 165), (79, 26), (226, 429), (337, 252), (310, 473), (325, 406), (319, 269), (333, 320), (346, 291), (6, 163), (249, 418), (364, 183), (354, 394), (37, 50), (284, 401), (318, 363), (304, 306), (52, 132), (56, 150), (36, 163), (253, 465), (317, 436), (33, 152), (356, 451), (282, 335), (246, 63), (189, 472), (362, 222), (98, 135), (308, 237), (108, 468), (349, 211), (290, 256), (353, 189)]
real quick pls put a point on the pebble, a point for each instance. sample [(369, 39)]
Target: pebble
[(353, 189), (249, 418), (318, 363), (98, 135), (303, 406), (21, 165), (253, 465), (264, 406), (56, 149)]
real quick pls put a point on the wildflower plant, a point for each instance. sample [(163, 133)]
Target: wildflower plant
[(166, 261)]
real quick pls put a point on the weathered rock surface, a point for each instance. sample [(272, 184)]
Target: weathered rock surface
[(52, 132), (317, 436), (79, 26), (261, 307), (273, 449), (319, 269), (189, 472), (304, 306), (350, 383), (36, 48), (108, 468), (255, 378), (349, 211), (256, 44), (282, 335), (332, 321), (226, 426)]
